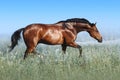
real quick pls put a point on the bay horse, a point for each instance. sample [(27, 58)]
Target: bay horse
[(62, 33)]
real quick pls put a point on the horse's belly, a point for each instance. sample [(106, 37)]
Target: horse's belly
[(52, 39)]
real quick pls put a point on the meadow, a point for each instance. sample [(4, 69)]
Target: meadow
[(99, 62)]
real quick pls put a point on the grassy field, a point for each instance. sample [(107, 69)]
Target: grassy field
[(99, 62)]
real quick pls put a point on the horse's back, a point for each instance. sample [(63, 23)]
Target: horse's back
[(43, 33)]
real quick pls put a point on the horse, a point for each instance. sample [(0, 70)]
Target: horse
[(62, 33)]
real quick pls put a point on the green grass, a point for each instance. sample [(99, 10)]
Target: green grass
[(99, 62)]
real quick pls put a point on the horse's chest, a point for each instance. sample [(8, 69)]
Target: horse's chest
[(69, 35)]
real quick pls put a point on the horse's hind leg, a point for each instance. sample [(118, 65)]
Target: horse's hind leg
[(28, 51), (30, 48), (31, 45)]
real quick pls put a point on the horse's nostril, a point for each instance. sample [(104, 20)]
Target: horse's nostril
[(100, 40)]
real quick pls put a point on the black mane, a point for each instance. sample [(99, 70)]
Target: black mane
[(77, 20)]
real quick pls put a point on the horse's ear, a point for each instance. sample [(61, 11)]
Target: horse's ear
[(68, 25), (95, 23)]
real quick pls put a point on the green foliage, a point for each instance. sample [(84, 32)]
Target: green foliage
[(99, 62)]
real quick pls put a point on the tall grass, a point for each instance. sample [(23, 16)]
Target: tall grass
[(99, 62)]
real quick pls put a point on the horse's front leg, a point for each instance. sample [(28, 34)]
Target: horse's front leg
[(64, 46), (75, 45), (80, 50)]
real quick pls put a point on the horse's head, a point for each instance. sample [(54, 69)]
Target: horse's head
[(93, 31), (81, 24)]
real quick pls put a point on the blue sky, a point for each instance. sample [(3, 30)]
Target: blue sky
[(15, 14)]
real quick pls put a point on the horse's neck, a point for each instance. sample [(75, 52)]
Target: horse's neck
[(82, 27)]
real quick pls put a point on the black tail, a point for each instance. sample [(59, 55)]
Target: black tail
[(14, 38)]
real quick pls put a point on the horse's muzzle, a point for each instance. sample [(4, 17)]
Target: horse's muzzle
[(100, 40)]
